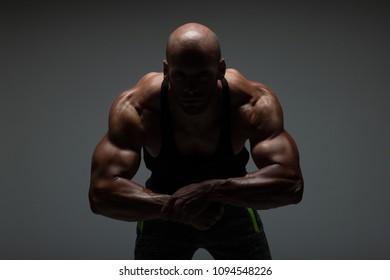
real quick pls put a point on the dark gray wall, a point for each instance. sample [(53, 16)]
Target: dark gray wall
[(63, 63)]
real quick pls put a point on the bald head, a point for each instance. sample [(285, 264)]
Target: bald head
[(193, 39)]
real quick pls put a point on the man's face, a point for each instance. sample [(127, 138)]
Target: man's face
[(193, 81)]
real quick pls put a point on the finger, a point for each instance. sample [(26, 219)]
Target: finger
[(166, 210), (174, 210), (191, 210)]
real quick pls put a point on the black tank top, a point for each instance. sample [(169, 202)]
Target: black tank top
[(172, 170)]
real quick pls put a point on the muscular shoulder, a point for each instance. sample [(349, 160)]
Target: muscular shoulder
[(144, 95), (257, 106), (126, 117)]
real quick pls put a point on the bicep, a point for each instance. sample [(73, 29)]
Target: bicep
[(277, 150), (118, 153), (270, 143), (110, 160)]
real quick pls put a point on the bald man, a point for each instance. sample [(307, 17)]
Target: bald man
[(192, 122)]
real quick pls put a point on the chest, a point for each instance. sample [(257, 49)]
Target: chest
[(195, 140)]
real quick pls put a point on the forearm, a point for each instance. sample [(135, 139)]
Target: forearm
[(126, 200), (270, 187)]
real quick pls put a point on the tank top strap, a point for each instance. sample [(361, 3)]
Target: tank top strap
[(167, 141), (225, 142)]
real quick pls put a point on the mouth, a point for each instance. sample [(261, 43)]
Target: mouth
[(192, 100)]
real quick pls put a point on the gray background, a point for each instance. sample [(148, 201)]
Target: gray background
[(63, 63)]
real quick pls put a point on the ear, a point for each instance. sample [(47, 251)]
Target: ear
[(166, 68), (222, 69)]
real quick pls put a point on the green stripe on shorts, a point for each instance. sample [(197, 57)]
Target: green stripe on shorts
[(140, 226), (253, 217)]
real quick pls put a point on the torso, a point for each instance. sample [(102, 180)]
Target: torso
[(191, 139)]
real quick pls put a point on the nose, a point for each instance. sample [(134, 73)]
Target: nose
[(192, 87)]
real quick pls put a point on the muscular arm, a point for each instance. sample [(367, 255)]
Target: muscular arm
[(277, 182), (115, 161)]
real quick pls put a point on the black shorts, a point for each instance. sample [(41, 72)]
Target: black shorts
[(238, 235)]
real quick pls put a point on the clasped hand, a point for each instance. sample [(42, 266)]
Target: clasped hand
[(192, 205)]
